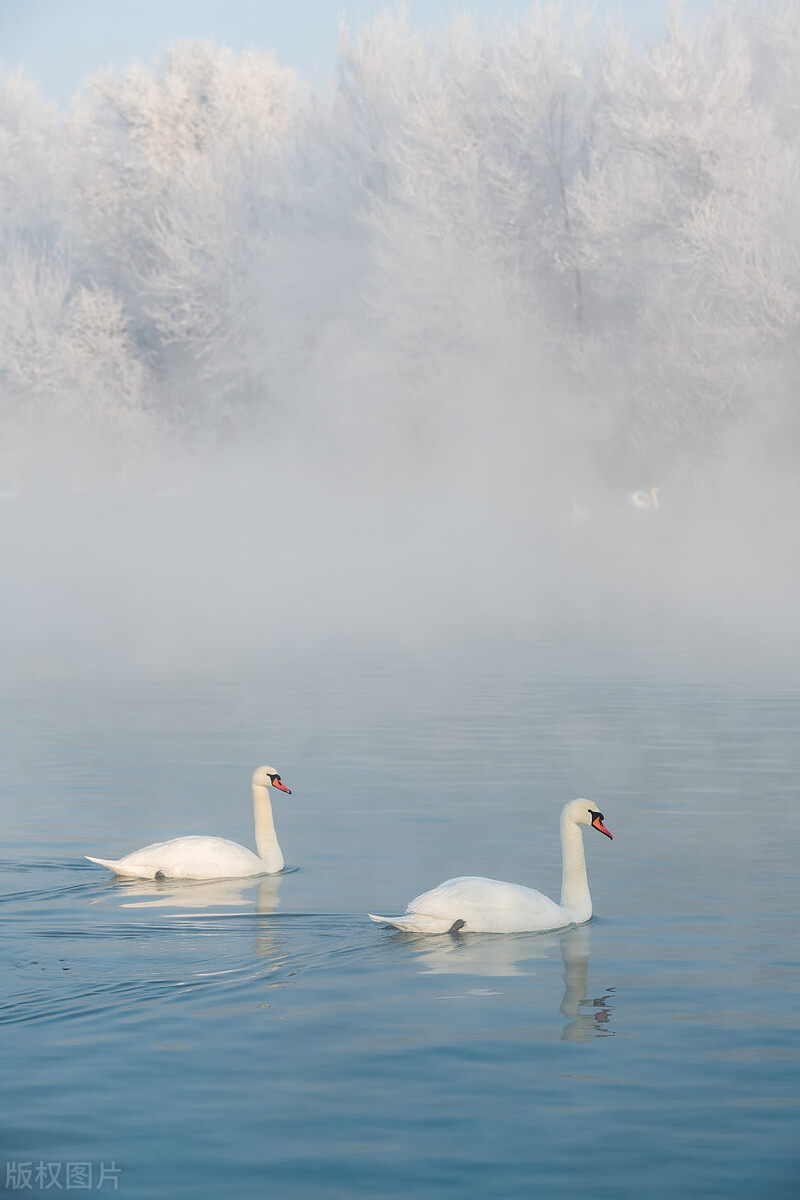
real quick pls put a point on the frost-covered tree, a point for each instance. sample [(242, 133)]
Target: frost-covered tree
[(171, 168), (680, 213), (67, 359), (469, 145), (598, 239), (31, 165)]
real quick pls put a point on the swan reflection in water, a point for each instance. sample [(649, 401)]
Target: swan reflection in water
[(487, 955), (190, 898), (190, 895), (582, 1026)]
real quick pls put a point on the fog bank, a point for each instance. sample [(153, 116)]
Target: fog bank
[(389, 359)]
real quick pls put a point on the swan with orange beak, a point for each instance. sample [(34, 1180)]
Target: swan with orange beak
[(212, 857), (471, 904)]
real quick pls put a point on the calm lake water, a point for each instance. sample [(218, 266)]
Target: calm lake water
[(264, 1039)]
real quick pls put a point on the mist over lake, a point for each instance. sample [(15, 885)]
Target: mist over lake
[(429, 433)]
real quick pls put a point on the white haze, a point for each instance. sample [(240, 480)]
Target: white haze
[(386, 360)]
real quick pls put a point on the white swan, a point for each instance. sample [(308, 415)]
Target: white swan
[(475, 905), (211, 857), (644, 499)]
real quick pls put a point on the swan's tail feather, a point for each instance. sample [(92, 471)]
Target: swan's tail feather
[(104, 862), (420, 923)]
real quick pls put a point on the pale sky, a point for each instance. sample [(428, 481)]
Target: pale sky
[(60, 42)]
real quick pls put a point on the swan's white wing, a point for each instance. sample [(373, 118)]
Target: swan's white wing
[(189, 858), (488, 906)]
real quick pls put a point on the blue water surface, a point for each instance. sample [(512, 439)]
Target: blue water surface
[(265, 1039)]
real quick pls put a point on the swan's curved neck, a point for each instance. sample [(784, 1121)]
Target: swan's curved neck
[(574, 884), (266, 838)]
